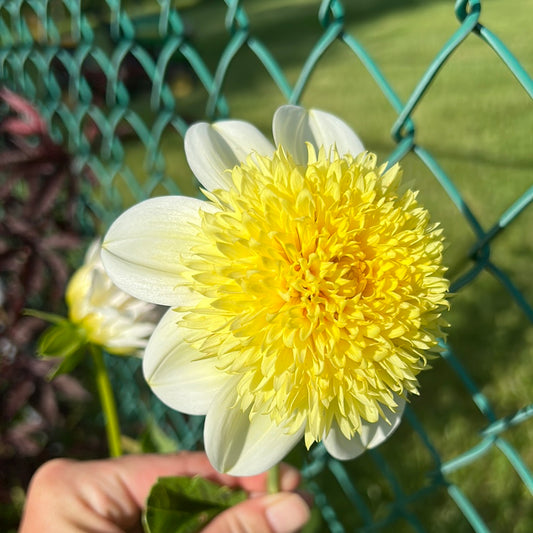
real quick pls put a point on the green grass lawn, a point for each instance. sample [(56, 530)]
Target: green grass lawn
[(478, 124)]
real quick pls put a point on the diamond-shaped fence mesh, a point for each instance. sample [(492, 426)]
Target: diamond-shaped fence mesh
[(428, 84)]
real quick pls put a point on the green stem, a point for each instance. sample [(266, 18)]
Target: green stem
[(273, 485), (108, 402)]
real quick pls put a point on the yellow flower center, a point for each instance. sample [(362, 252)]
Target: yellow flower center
[(322, 289)]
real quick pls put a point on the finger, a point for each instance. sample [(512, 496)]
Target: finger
[(289, 479), (283, 512), (139, 472), (55, 503)]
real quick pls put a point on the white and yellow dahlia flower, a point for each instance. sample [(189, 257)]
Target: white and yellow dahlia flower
[(108, 316), (304, 292)]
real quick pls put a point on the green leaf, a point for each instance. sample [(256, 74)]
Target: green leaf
[(61, 340), (68, 364), (186, 505)]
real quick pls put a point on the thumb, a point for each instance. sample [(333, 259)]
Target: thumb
[(284, 512)]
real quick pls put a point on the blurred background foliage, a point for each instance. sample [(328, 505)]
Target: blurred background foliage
[(103, 92)]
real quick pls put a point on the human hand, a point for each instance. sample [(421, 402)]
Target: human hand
[(107, 496)]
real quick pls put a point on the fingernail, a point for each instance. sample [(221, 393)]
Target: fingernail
[(286, 513)]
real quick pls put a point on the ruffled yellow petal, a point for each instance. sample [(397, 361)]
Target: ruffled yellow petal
[(321, 289)]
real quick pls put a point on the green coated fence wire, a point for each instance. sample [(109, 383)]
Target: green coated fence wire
[(116, 79)]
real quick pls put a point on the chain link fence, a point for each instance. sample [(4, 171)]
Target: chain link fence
[(119, 83)]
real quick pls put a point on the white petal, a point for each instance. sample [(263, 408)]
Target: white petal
[(382, 430), (212, 149), (294, 126), (175, 371), (371, 435), (340, 447), (92, 255), (240, 447), (144, 248)]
